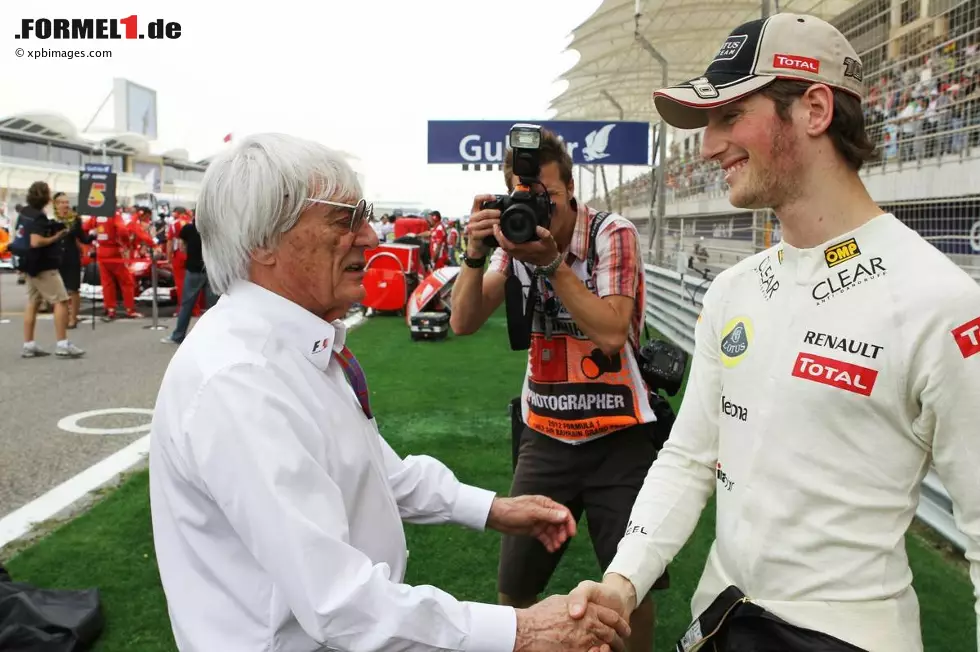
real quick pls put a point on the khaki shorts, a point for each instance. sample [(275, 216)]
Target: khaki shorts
[(46, 286)]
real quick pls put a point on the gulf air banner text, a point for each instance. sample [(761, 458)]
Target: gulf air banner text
[(589, 143)]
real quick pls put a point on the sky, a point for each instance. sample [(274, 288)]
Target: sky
[(363, 76)]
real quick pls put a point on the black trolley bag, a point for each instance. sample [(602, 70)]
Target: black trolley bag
[(33, 619)]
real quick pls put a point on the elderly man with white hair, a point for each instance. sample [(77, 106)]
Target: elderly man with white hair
[(277, 505)]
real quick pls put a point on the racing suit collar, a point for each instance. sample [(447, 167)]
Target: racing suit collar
[(805, 265), (314, 337)]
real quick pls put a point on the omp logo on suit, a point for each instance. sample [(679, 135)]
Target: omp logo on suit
[(841, 252)]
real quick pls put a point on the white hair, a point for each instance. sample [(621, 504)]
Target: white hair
[(255, 192)]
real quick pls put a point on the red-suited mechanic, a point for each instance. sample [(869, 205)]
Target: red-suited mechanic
[(590, 434), (830, 373)]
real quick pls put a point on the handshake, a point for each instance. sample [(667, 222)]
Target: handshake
[(594, 618)]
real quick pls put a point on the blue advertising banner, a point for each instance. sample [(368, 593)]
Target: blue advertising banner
[(589, 143)]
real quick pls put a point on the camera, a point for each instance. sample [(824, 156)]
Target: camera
[(662, 366), (527, 207)]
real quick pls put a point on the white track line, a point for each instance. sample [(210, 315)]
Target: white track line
[(21, 521)]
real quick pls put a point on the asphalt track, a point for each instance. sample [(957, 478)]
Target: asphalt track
[(122, 368)]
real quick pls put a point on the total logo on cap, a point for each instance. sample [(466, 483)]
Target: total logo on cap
[(757, 53)]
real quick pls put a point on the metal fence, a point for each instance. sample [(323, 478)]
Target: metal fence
[(706, 244)]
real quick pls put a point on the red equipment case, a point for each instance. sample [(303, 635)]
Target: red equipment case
[(390, 275)]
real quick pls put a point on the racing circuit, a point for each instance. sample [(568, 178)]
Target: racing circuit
[(72, 426), (47, 443)]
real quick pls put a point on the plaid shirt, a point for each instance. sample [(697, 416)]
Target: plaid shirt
[(618, 269)]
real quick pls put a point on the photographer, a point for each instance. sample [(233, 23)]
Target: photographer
[(38, 247), (589, 438)]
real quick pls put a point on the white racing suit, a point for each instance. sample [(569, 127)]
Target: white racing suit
[(824, 385)]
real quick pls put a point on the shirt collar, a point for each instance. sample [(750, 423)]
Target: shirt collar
[(315, 338), (579, 246)]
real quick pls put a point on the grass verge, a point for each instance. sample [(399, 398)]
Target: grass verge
[(448, 400)]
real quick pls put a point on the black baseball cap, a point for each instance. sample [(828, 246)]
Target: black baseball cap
[(757, 53)]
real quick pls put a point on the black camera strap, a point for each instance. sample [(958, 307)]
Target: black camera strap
[(520, 314), (594, 228)]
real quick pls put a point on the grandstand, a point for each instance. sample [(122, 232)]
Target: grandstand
[(922, 68), (48, 147)]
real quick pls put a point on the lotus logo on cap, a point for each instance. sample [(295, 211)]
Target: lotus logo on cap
[(732, 46)]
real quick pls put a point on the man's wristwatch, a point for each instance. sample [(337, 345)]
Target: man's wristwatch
[(549, 270), (475, 263)]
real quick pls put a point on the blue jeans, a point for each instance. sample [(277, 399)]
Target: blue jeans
[(194, 284)]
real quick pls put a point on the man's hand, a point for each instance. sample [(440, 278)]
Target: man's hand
[(615, 592), (541, 252), (481, 224), (536, 516), (546, 627)]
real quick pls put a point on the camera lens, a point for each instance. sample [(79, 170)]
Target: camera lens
[(518, 224)]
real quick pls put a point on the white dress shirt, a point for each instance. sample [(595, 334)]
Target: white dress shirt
[(824, 383), (277, 506)]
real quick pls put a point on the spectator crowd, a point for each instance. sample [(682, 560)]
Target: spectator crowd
[(918, 108)]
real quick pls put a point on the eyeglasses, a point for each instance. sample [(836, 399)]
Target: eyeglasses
[(359, 212)]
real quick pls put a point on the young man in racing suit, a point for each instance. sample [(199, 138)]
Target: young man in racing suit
[(829, 373), (590, 434)]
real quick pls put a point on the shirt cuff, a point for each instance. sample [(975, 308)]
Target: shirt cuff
[(635, 562), (492, 628), (472, 507)]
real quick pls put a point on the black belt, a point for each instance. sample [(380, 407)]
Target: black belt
[(733, 623)]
